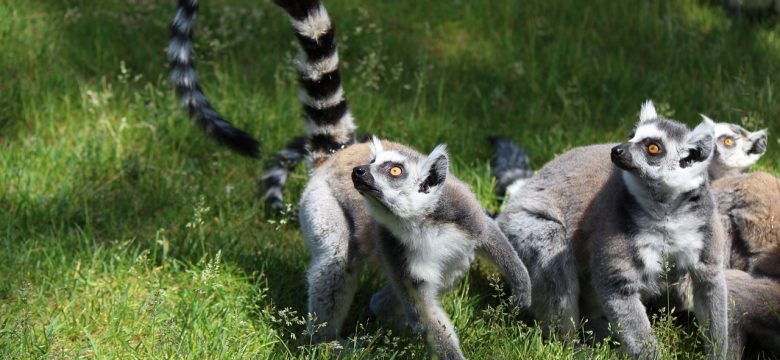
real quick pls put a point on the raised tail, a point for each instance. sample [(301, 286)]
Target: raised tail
[(329, 123), (510, 166), (191, 96)]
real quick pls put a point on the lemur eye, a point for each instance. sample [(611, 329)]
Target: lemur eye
[(728, 142), (395, 171), (653, 149)]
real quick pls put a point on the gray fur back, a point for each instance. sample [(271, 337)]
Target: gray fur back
[(563, 188)]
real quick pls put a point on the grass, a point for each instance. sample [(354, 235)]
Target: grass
[(124, 233)]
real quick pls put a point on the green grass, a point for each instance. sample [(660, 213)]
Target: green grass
[(124, 233)]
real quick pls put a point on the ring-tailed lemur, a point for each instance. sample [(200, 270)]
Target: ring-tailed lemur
[(340, 233), (428, 225), (595, 225), (749, 208), (182, 76), (337, 228)]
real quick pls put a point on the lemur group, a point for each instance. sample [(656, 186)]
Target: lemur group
[(588, 242)]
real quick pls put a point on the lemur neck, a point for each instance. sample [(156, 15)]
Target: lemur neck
[(718, 170), (657, 201)]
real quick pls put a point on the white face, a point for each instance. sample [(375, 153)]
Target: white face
[(402, 184), (737, 148), (665, 154)]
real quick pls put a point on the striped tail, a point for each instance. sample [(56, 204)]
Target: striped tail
[(276, 172), (191, 96), (510, 166), (329, 123)]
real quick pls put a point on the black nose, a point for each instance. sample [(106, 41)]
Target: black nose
[(617, 151), (359, 171)]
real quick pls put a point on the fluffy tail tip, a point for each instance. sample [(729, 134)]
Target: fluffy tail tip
[(510, 164)]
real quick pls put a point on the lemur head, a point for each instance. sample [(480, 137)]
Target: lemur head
[(736, 149), (400, 182), (664, 154)]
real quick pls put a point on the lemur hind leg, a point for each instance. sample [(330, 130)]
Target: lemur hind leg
[(419, 300), (543, 247), (333, 270), (388, 309)]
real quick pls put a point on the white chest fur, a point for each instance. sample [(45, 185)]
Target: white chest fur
[(678, 240), (436, 253)]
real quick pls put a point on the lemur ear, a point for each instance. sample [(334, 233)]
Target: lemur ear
[(647, 112), (759, 141), (376, 146), (706, 118), (699, 144), (434, 169)]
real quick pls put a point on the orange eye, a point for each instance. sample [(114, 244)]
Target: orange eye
[(728, 142), (395, 171), (653, 149)]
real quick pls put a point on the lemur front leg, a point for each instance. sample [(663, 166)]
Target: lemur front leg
[(438, 329), (619, 296), (419, 300), (628, 316), (710, 299), (495, 247)]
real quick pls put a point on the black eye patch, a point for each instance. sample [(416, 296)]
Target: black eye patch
[(386, 166), (727, 141), (653, 149)]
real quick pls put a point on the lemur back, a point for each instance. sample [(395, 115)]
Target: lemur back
[(749, 205)]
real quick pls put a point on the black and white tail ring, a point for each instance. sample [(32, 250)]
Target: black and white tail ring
[(191, 96)]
